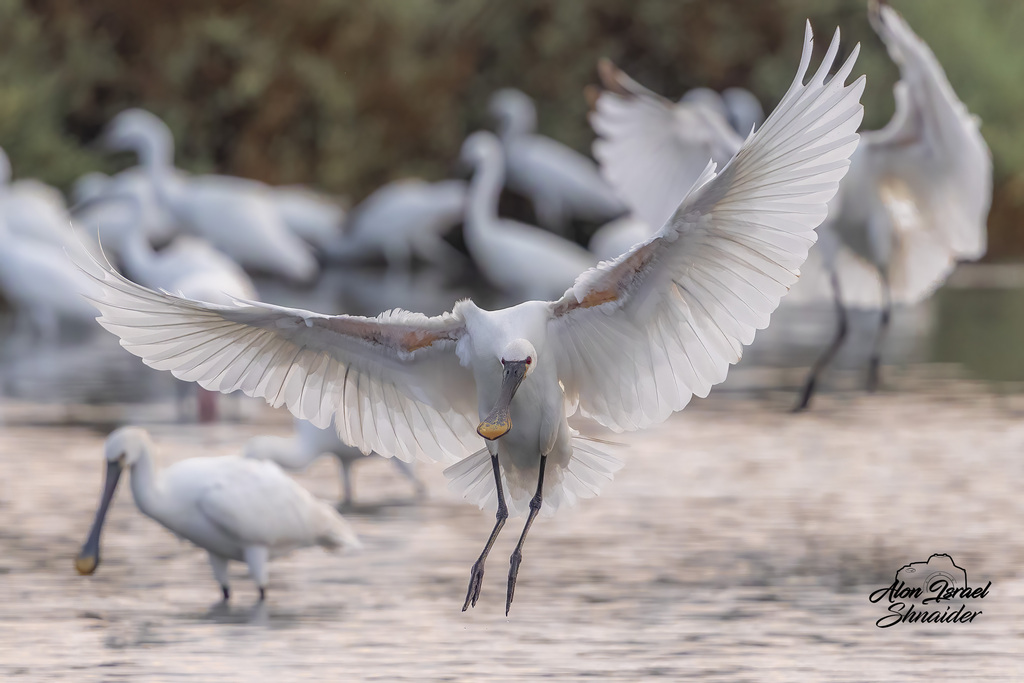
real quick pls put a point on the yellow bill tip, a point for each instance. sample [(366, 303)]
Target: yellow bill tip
[(493, 430), (85, 564)]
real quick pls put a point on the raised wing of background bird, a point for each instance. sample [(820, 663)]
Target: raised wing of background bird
[(652, 150), (925, 180)]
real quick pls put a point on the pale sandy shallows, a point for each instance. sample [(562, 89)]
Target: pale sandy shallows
[(739, 543)]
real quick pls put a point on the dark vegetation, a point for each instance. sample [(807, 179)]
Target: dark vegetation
[(348, 94)]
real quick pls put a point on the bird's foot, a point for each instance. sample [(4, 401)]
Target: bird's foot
[(874, 375), (226, 592), (263, 593), (476, 582), (513, 574), (805, 399)]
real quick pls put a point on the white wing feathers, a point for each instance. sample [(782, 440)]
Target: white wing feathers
[(638, 336), (948, 148), (393, 381), (928, 174), (651, 150), (255, 503)]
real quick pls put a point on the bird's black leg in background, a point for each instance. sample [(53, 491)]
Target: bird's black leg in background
[(875, 364), (830, 352), (517, 554), (476, 574)]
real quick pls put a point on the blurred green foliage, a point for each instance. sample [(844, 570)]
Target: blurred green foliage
[(348, 94)]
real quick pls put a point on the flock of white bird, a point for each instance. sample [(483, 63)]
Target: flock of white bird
[(711, 211)]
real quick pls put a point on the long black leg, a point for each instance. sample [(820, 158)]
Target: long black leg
[(476, 574), (830, 352), (875, 364), (517, 554), (346, 484)]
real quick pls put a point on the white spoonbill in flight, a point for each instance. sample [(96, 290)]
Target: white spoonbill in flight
[(233, 508), (627, 345)]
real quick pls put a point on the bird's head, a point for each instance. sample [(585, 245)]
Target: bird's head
[(127, 445), (123, 449), (518, 360), (478, 147), (139, 131), (513, 111)]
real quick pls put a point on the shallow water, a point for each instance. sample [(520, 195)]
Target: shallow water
[(738, 543)]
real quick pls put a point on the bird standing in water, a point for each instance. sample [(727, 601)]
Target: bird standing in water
[(233, 508)]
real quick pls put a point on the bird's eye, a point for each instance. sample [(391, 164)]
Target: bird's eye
[(502, 361), (529, 360)]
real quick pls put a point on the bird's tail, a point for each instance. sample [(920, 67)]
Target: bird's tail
[(585, 475), (335, 531)]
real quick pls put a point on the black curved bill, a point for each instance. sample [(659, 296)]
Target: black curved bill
[(89, 557)]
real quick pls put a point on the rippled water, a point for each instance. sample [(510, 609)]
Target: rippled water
[(738, 543)]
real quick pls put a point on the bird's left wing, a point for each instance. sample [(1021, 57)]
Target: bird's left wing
[(394, 381), (636, 337)]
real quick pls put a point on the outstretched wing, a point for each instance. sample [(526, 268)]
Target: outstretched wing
[(934, 141), (927, 175), (393, 381), (638, 336), (651, 150)]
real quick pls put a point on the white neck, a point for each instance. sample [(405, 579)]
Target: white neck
[(138, 255), (156, 154), (518, 122), (484, 191), (146, 487)]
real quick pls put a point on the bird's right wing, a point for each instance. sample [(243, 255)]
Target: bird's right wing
[(394, 381), (636, 337), (651, 150)]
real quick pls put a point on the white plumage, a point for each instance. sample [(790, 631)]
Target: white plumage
[(236, 215), (35, 212), (403, 219), (652, 151), (107, 207), (315, 217), (309, 443), (519, 259), (188, 266), (41, 284), (917, 197), (561, 182), (629, 343), (234, 508), (915, 202)]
